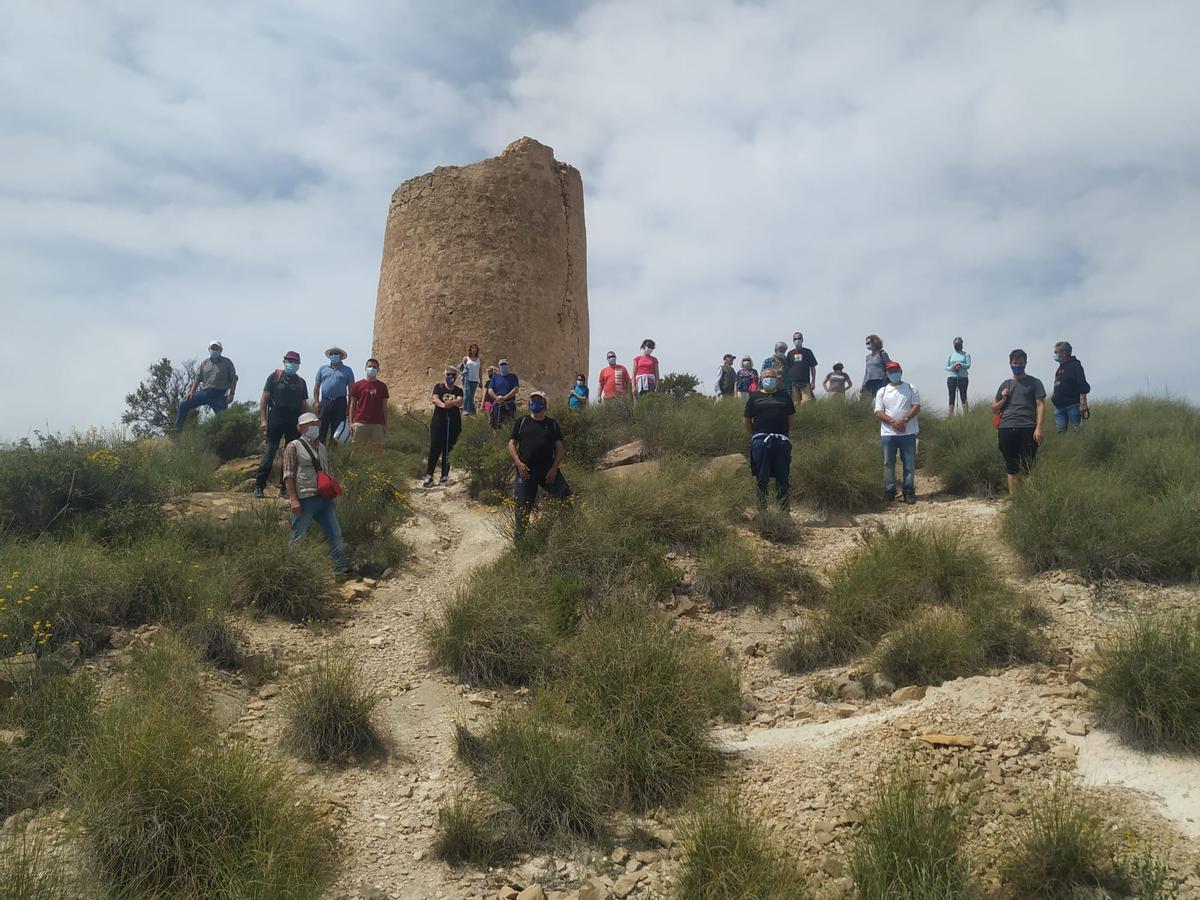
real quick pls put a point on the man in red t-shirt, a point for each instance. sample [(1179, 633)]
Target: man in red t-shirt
[(614, 380), (368, 408)]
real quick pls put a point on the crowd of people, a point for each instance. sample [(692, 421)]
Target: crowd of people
[(344, 409)]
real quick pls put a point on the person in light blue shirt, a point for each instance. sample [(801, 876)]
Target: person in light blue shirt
[(331, 392), (958, 364)]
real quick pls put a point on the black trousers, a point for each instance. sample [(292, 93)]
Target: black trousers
[(1018, 448), (333, 414), (442, 438), (525, 491), (276, 431), (957, 386)]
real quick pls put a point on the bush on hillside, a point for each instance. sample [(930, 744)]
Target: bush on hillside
[(470, 831), (330, 710), (963, 452), (483, 455), (688, 427), (728, 852), (217, 638), (369, 510), (733, 573), (679, 385), (232, 433), (277, 579)]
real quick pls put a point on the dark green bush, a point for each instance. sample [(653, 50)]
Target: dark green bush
[(963, 452), (483, 455), (679, 385), (930, 648), (732, 573), (292, 582), (330, 710), (217, 638), (689, 427), (1148, 682), (233, 432), (369, 510), (775, 525), (470, 832)]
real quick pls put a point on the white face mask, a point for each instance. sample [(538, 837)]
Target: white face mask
[(312, 431)]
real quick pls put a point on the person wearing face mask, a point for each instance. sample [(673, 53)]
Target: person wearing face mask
[(726, 377), (284, 398), (213, 386), (536, 448), (958, 365), (614, 380), (802, 370), (897, 405), (502, 390), (303, 458), (768, 418), (579, 393), (445, 425), (1071, 388), (331, 391), (1020, 406), (874, 377), (746, 378), (368, 408), (487, 402), (645, 369), (779, 363)]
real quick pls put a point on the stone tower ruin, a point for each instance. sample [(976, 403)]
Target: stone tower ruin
[(492, 253)]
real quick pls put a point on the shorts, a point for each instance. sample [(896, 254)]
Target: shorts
[(1018, 448), (366, 433), (956, 385)]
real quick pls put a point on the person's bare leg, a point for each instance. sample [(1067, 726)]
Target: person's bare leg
[(1014, 482)]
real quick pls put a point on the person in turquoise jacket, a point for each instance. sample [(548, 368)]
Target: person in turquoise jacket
[(958, 364)]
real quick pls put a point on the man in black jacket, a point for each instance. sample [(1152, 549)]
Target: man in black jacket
[(1070, 390)]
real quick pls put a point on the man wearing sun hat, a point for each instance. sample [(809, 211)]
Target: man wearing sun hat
[(213, 386), (897, 405), (331, 392), (303, 458), (284, 398)]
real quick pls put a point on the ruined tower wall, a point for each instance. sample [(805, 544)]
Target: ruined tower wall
[(492, 253)]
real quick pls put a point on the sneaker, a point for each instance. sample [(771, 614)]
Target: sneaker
[(910, 499), (428, 482), (445, 479), (283, 492), (889, 496), (258, 493)]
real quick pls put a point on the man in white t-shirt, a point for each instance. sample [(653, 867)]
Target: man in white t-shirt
[(897, 404)]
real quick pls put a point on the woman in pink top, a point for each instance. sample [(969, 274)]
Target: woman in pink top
[(645, 369)]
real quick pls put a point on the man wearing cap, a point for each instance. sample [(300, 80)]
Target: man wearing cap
[(303, 458), (768, 417), (368, 408), (779, 363), (214, 385), (801, 369), (537, 450), (614, 380), (897, 404), (726, 377), (502, 390), (284, 398), (331, 392)]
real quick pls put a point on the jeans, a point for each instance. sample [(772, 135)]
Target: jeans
[(771, 457), (214, 398), (525, 491), (333, 414), (469, 389), (906, 444), (1067, 415), (320, 510), (276, 432)]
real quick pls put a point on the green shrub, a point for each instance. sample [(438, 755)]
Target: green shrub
[(217, 638), (549, 777), (369, 510), (963, 452), (910, 846), (167, 809), (728, 854), (232, 433), (775, 525), (679, 385), (930, 648), (837, 472), (167, 581), (591, 432), (1062, 848), (688, 427), (646, 692), (1148, 682), (470, 832), (732, 573), (483, 455), (330, 710), (28, 871), (275, 578)]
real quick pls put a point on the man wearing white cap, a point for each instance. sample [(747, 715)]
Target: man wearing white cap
[(331, 392), (213, 386)]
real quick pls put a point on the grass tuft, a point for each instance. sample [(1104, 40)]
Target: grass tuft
[(469, 833), (27, 870), (775, 525), (330, 710), (931, 647), (733, 573), (292, 582)]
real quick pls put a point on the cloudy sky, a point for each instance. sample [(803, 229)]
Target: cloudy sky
[(1015, 172)]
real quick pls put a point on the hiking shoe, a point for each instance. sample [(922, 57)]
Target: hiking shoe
[(445, 479), (889, 496), (283, 492), (428, 482), (258, 493), (910, 499)]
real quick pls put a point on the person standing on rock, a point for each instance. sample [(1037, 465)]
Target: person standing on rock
[(1020, 405), (368, 408), (747, 378), (645, 370), (502, 391), (579, 393), (445, 425), (874, 376), (897, 405), (331, 392), (768, 418), (213, 386), (537, 450), (1070, 390), (469, 367), (958, 368), (303, 458), (284, 398), (837, 382), (614, 380), (802, 370), (726, 377), (779, 363)]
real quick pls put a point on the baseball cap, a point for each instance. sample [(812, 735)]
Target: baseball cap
[(533, 394), (291, 356), (215, 345), (892, 366)]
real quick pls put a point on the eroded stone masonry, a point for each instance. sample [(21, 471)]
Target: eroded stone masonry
[(492, 253)]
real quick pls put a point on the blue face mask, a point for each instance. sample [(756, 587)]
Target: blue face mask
[(291, 368), (871, 347), (214, 354), (768, 384), (1058, 360), (372, 371), (335, 358), (1018, 370), (504, 370), (894, 377), (536, 406)]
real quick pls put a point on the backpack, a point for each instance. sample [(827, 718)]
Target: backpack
[(328, 487)]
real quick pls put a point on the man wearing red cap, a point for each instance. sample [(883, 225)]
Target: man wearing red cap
[(284, 398), (897, 404)]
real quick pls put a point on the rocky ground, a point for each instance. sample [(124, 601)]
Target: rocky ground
[(805, 758)]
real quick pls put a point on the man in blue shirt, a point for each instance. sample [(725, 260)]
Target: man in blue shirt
[(331, 392), (502, 390)]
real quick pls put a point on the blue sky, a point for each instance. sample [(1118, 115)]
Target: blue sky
[(1013, 172)]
